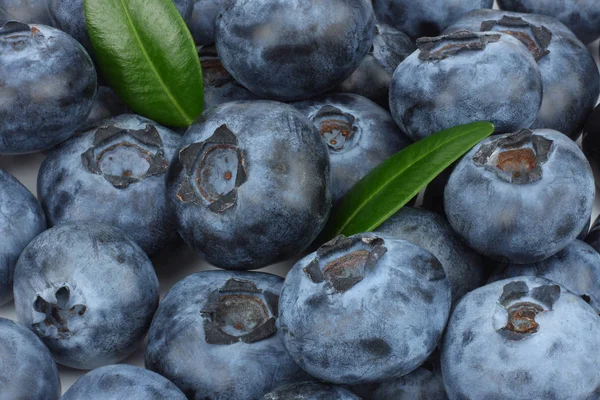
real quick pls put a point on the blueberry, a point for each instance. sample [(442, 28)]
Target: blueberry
[(202, 22), (106, 105), (293, 49), (593, 237), (312, 391), (576, 268), (373, 76), (26, 11), (122, 382), (88, 291), (463, 267), (115, 174), (570, 79), (464, 77), (590, 143), (520, 339), (359, 135), (521, 197), (45, 105), (250, 185), (215, 335), (219, 85), (21, 220), (27, 370), (580, 16), (69, 16), (424, 18), (364, 309)]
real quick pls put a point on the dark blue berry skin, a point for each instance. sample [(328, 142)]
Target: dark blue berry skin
[(465, 77), (26, 11), (516, 339), (44, 106), (570, 79), (219, 85), (88, 291), (424, 18), (373, 76), (106, 105), (122, 382), (251, 184), (364, 309), (310, 390), (202, 22), (358, 133), (580, 16), (21, 220), (576, 267), (27, 370), (115, 174), (463, 267), (69, 16), (293, 49), (215, 335), (590, 143), (521, 197)]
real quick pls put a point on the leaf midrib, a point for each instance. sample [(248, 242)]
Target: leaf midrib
[(371, 196), (166, 90)]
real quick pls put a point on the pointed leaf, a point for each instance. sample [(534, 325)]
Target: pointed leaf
[(389, 186), (146, 53)]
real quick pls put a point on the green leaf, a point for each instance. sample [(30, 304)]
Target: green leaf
[(146, 53), (393, 183)]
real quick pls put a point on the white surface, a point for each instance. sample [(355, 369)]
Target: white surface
[(170, 267)]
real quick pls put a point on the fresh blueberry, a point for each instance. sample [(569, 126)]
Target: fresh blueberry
[(122, 382), (27, 370), (576, 268), (21, 220), (426, 229), (373, 76), (580, 16), (465, 77), (69, 16), (219, 85), (310, 390), (364, 309), (215, 335), (88, 291), (570, 79), (26, 11), (293, 49), (521, 197), (106, 105), (590, 143), (424, 18), (115, 174), (53, 93), (250, 184), (202, 22), (359, 135), (520, 339)]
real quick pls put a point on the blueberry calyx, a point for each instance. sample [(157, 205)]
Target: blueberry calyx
[(515, 158), (57, 315), (239, 312), (442, 47), (125, 156), (337, 128), (343, 262), (214, 170), (535, 38), (213, 71), (518, 307), (14, 27)]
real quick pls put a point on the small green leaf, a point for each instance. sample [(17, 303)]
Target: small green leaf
[(146, 53), (392, 184)]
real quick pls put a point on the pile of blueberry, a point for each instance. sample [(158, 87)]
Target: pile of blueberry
[(495, 296)]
